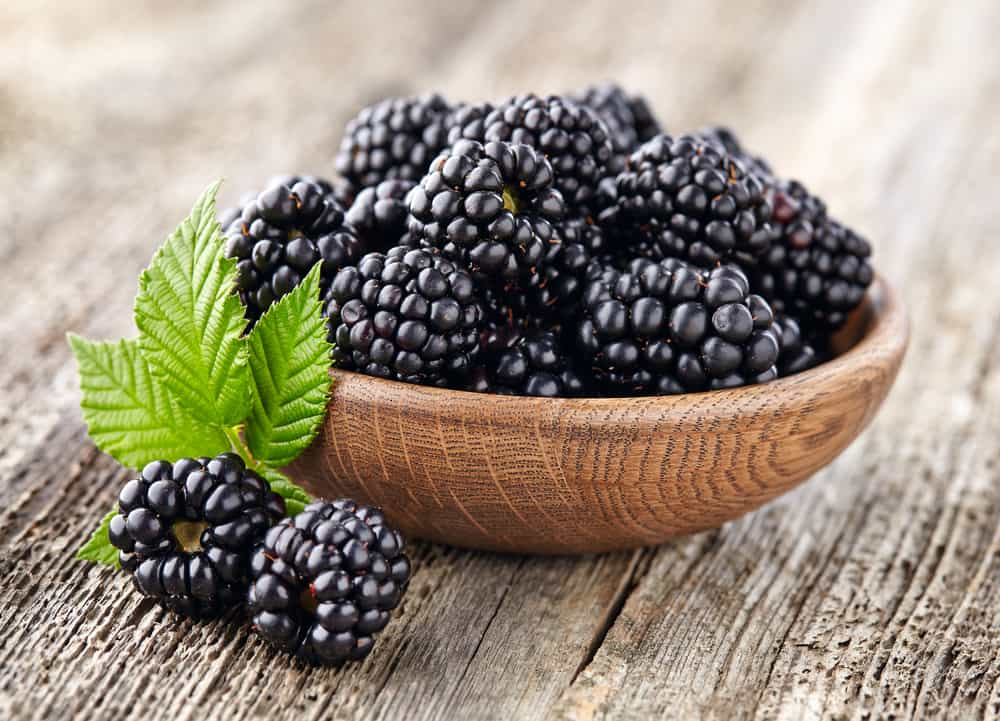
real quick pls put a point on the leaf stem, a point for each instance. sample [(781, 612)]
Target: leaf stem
[(236, 441)]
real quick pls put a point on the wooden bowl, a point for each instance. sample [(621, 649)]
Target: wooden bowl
[(537, 475)]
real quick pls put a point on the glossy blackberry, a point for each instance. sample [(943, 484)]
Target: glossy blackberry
[(185, 531), (670, 327), (467, 121), (573, 138), (379, 212), (489, 207), (798, 352), (529, 364), (629, 120), (689, 200), (325, 581), (394, 138), (725, 137), (281, 233), (816, 270), (406, 315)]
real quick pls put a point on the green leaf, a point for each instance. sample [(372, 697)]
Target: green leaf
[(290, 363), (191, 320), (295, 497), (127, 411), (98, 548)]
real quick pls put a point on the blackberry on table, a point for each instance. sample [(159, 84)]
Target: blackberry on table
[(573, 138), (325, 582), (529, 364), (816, 270), (395, 138), (670, 327), (408, 315), (489, 207), (379, 213), (281, 233), (689, 199), (185, 531)]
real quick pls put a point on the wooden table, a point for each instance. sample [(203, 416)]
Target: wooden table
[(870, 593)]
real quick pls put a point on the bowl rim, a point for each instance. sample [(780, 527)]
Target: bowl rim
[(882, 305)]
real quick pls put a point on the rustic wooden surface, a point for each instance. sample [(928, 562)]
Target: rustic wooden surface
[(868, 593), (587, 475)]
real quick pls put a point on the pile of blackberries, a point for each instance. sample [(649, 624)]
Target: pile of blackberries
[(554, 246)]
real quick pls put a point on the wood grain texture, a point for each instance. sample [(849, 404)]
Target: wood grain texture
[(530, 475), (869, 592)]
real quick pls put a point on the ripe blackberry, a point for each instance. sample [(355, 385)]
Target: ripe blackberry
[(185, 531), (629, 120), (690, 200), (725, 137), (573, 138), (394, 138), (670, 327), (489, 207), (816, 270), (468, 122), (325, 581), (532, 364), (281, 233), (798, 352), (407, 315), (379, 212)]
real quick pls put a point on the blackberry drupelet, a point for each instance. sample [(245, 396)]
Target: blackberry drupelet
[(488, 207), (379, 212), (688, 199), (325, 581), (670, 327), (573, 138), (530, 364), (816, 270), (394, 138), (629, 120), (279, 236), (407, 315), (185, 531)]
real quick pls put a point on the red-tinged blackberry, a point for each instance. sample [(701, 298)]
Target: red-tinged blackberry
[(489, 207), (394, 138), (573, 138), (407, 315), (379, 212), (816, 270), (185, 531), (279, 236), (670, 327), (325, 581), (530, 364), (691, 200), (630, 121)]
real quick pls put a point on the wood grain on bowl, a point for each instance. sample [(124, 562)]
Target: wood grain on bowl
[(538, 475)]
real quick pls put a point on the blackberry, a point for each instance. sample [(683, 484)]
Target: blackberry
[(489, 207), (690, 200), (798, 352), (407, 315), (629, 120), (670, 327), (378, 214), (468, 122), (325, 581), (573, 138), (185, 531), (281, 233), (725, 137), (816, 270), (532, 364), (395, 138)]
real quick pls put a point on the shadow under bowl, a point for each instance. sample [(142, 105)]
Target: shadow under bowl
[(584, 475)]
